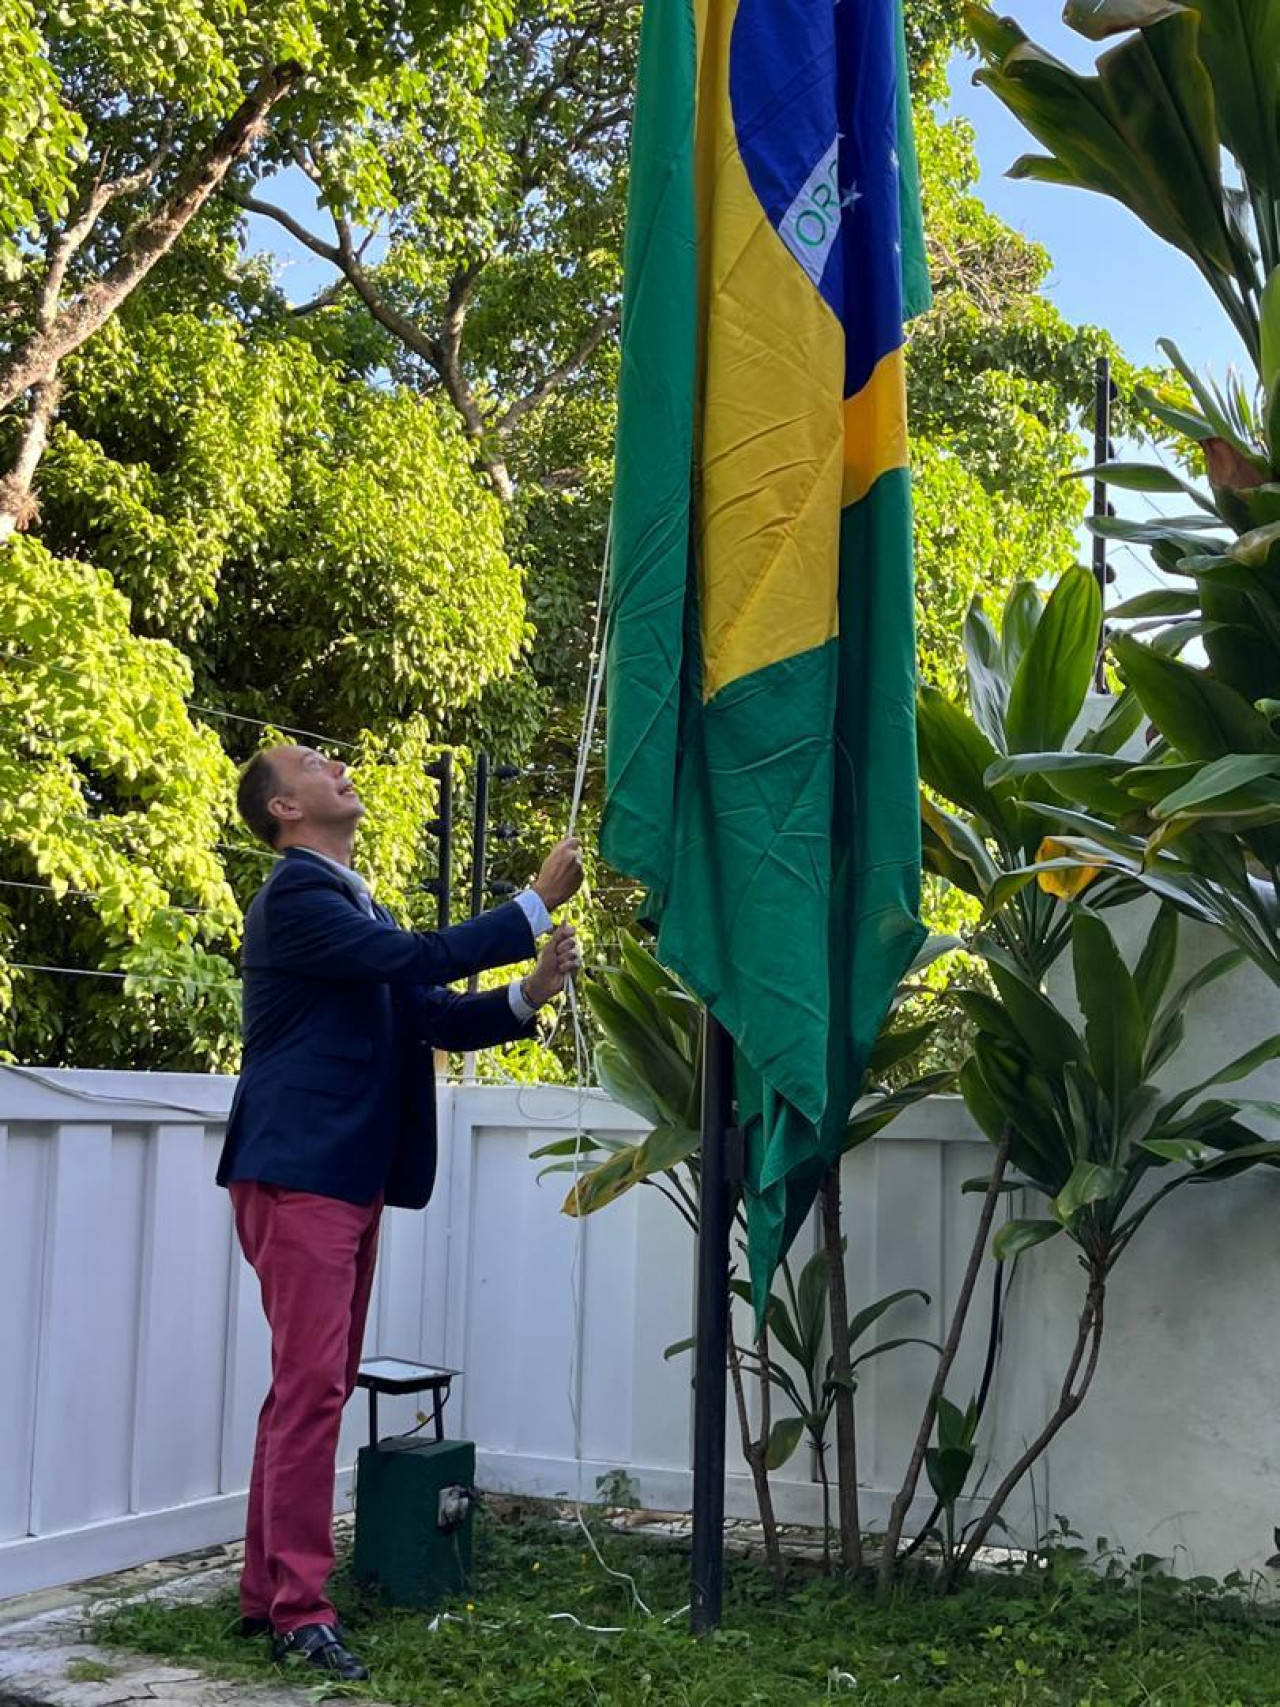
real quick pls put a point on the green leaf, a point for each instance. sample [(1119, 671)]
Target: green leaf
[(1018, 1236), (1115, 1030), (988, 689), (947, 1468), (1203, 719), (1155, 964), (811, 1298), (1042, 1030), (868, 1317), (1160, 601), (1090, 1182), (1118, 727), (616, 1076), (784, 1437), (1022, 612), (1144, 477), (1057, 669), (679, 1347), (1217, 781), (893, 1046), (955, 756)]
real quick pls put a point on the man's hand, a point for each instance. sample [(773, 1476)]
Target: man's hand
[(561, 874), (560, 960)]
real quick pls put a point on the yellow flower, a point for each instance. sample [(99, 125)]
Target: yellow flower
[(471, 1606), (1065, 883)]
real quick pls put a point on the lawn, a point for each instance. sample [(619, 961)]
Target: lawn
[(1065, 1637)]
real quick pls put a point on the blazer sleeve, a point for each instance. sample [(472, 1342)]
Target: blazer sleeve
[(446, 1020), (313, 929)]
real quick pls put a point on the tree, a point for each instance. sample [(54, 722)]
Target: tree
[(137, 114), (291, 545)]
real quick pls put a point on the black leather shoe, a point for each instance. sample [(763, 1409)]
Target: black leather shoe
[(249, 1629), (318, 1646)]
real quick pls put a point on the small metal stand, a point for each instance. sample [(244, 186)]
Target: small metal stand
[(393, 1375)]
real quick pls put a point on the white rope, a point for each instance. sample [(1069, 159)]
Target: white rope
[(590, 714)]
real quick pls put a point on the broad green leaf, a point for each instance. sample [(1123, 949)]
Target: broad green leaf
[(1057, 669), (811, 1298), (1018, 1236), (1115, 1029), (868, 1317), (1269, 316), (1203, 719), (1090, 1182), (988, 689), (955, 756), (1160, 601), (1230, 1073), (615, 1074), (784, 1437), (1145, 477), (1042, 1030), (947, 1468), (1155, 964), (1022, 612), (1217, 781), (1118, 727), (892, 1345)]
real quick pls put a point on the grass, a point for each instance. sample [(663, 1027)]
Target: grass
[(1066, 1638), (89, 1671)]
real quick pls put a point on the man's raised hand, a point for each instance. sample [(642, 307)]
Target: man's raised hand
[(560, 960), (561, 874)]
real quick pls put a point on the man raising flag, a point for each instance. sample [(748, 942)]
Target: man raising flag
[(761, 747)]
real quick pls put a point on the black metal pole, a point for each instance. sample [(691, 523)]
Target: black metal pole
[(479, 848), (715, 1215), (1101, 454), (444, 826)]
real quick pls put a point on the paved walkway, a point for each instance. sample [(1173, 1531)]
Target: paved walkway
[(47, 1659)]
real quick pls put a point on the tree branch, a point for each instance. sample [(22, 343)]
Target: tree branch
[(906, 1493), (296, 229), (37, 357), (551, 382)]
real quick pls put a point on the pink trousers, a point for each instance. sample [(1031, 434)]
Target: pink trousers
[(314, 1258)]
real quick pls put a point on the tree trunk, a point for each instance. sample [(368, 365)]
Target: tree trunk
[(902, 1503), (1070, 1398), (36, 359), (754, 1450), (15, 487), (846, 1421)]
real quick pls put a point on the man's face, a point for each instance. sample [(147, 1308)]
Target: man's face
[(312, 790)]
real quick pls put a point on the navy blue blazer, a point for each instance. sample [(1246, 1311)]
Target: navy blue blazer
[(341, 1014)]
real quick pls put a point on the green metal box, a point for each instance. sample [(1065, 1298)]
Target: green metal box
[(402, 1551)]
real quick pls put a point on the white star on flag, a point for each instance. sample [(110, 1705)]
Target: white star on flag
[(852, 196)]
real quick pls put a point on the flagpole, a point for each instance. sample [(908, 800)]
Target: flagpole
[(715, 1217)]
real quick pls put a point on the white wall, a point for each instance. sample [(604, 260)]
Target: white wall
[(133, 1354)]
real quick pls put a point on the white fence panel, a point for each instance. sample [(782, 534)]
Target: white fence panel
[(134, 1354)]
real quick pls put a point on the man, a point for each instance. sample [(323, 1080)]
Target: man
[(334, 1116)]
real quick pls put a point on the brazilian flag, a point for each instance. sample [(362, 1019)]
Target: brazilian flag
[(761, 657)]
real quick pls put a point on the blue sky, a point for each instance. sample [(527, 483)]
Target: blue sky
[(1108, 269)]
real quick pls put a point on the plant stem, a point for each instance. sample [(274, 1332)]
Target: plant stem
[(820, 1449), (754, 1450), (846, 1423), (902, 1502), (1070, 1398)]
